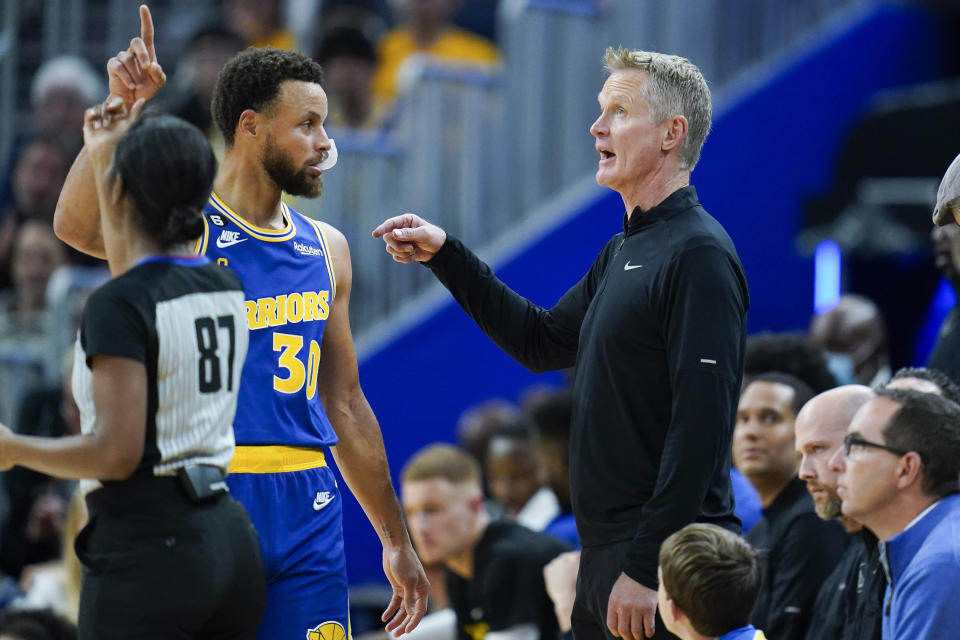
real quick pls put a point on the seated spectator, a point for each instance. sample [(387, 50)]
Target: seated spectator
[(946, 252), (474, 429), (61, 89), (35, 624), (37, 253), (190, 90), (550, 414), (24, 326), (849, 603), (793, 353), (513, 477), (34, 530), (494, 569), (349, 62), (426, 28), (38, 176), (56, 585), (899, 477), (259, 23), (709, 581), (801, 548), (925, 380), (854, 336)]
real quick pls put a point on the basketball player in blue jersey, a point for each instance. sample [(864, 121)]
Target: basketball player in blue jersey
[(299, 392)]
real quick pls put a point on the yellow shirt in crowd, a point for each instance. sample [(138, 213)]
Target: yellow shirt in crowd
[(454, 45)]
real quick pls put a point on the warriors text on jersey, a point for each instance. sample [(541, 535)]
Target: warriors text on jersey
[(289, 284)]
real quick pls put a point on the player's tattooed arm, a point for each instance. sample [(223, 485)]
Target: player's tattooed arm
[(133, 74)]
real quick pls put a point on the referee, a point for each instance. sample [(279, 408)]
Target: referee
[(167, 552)]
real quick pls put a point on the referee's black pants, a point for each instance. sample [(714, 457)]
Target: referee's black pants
[(156, 565), (599, 569)]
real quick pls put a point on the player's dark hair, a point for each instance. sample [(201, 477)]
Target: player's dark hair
[(929, 425), (167, 168), (251, 80)]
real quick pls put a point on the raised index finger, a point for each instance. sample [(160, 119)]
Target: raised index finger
[(146, 31)]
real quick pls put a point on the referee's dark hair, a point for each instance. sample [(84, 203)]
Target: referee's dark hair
[(929, 425), (167, 169), (251, 80)]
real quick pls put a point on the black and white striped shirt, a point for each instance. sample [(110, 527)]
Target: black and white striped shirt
[(183, 318)]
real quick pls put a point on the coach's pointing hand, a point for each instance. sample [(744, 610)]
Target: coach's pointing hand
[(410, 238)]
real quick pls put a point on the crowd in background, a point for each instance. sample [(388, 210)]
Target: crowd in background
[(521, 449)]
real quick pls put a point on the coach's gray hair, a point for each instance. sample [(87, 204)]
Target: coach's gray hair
[(674, 87)]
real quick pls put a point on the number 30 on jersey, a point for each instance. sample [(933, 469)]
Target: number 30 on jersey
[(299, 375)]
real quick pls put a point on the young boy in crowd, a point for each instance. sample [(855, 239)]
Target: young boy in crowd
[(709, 581)]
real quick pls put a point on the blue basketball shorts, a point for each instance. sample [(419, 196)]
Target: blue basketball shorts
[(298, 516)]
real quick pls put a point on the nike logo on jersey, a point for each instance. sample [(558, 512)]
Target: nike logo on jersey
[(626, 267), (322, 500), (229, 238)]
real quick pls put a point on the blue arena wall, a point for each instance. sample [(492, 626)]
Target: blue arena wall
[(773, 144)]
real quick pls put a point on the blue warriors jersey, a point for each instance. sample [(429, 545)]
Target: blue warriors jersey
[(289, 287)]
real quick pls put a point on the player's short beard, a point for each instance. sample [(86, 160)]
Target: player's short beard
[(831, 507), (283, 171)]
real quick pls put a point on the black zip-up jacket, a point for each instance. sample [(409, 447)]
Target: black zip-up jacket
[(656, 331)]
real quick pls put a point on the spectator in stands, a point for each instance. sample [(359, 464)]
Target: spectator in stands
[(854, 336), (494, 568), (801, 548), (898, 477), (38, 175), (56, 584), (36, 255), (61, 90), (24, 323), (925, 380), (259, 22), (848, 605), (550, 413), (476, 426), (793, 353), (513, 477), (349, 62), (709, 582), (35, 624), (34, 529), (190, 90), (426, 28), (946, 251)]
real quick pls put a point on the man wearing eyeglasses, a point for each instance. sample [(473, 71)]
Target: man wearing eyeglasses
[(800, 549), (848, 605), (899, 471)]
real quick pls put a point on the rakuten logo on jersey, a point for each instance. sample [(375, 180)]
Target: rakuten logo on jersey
[(307, 249)]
